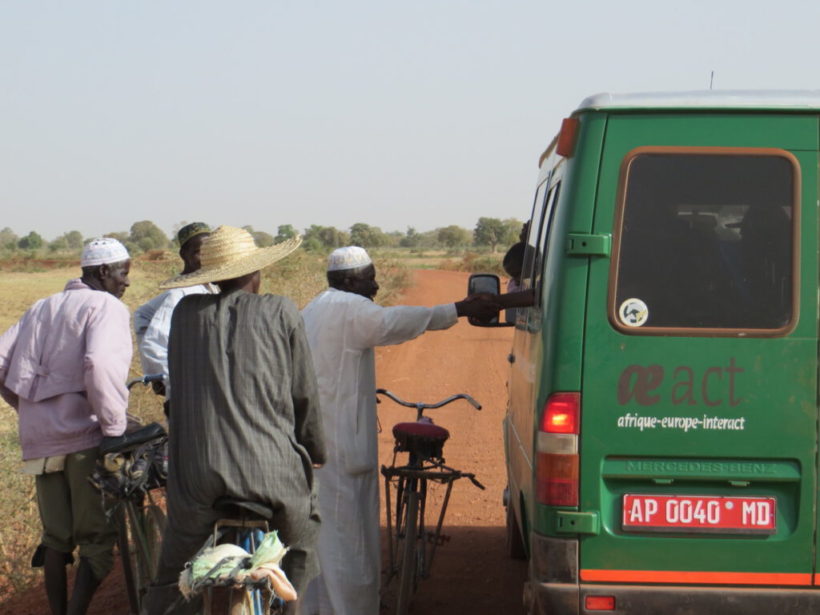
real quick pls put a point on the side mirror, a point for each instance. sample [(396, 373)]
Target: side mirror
[(485, 283)]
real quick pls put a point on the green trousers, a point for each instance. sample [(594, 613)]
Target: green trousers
[(72, 513)]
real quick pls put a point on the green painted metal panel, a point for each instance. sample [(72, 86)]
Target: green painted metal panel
[(793, 132), (758, 394)]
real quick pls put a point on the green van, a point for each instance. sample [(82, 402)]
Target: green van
[(662, 431)]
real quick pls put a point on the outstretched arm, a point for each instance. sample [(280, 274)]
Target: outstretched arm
[(482, 306), (523, 298)]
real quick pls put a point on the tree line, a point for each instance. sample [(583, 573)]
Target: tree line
[(145, 236)]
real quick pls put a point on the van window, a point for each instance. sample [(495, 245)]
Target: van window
[(532, 236), (706, 239), (543, 238), (537, 241)]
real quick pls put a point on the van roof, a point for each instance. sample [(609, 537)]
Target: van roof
[(797, 100)]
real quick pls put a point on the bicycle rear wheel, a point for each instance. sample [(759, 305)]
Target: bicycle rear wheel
[(408, 552)]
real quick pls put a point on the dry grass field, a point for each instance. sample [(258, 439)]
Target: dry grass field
[(449, 260)]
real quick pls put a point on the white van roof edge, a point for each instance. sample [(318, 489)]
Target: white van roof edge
[(706, 99)]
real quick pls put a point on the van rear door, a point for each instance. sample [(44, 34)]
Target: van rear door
[(699, 395)]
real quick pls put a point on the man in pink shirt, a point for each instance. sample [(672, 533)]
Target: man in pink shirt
[(63, 367)]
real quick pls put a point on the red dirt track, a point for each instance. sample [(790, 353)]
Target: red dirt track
[(472, 574)]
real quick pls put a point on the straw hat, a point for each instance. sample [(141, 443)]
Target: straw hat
[(228, 253)]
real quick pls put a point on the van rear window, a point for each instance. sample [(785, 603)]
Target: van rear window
[(706, 239)]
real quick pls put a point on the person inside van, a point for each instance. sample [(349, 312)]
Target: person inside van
[(766, 264), (513, 265)]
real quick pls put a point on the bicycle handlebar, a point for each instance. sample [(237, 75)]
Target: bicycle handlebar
[(422, 406)]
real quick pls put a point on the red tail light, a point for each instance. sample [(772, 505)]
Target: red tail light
[(557, 461), (599, 603), (561, 413)]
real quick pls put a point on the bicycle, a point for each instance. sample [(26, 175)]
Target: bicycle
[(228, 586), (237, 580), (412, 546), (131, 468)]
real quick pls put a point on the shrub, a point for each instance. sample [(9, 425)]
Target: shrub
[(473, 262)]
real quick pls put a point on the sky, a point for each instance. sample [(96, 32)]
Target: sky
[(397, 114)]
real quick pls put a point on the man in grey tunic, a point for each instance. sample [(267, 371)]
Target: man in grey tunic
[(244, 421)]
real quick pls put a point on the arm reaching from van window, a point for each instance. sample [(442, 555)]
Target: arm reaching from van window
[(483, 306), (519, 299)]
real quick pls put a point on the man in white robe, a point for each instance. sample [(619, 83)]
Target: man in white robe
[(343, 325)]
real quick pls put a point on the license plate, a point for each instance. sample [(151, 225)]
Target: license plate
[(699, 513)]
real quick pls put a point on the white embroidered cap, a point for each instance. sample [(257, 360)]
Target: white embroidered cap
[(350, 257), (103, 251)]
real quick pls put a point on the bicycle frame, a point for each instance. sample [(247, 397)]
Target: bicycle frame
[(415, 479)]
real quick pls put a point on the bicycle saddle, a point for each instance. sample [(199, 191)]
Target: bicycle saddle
[(235, 509), (116, 444), (425, 439)]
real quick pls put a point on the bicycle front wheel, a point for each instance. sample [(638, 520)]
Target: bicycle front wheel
[(408, 552), (146, 526), (128, 561)]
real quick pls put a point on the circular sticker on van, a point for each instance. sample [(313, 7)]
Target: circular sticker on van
[(633, 313)]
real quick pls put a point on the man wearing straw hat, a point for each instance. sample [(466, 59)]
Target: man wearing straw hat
[(343, 325), (245, 417), (152, 320), (63, 367)]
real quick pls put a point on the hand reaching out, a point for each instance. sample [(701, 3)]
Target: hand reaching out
[(483, 306)]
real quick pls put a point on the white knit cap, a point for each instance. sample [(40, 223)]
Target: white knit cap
[(350, 257), (103, 251)]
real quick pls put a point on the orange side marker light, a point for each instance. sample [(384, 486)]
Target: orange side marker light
[(566, 138)]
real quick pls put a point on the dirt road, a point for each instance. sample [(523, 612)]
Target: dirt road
[(471, 574)]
